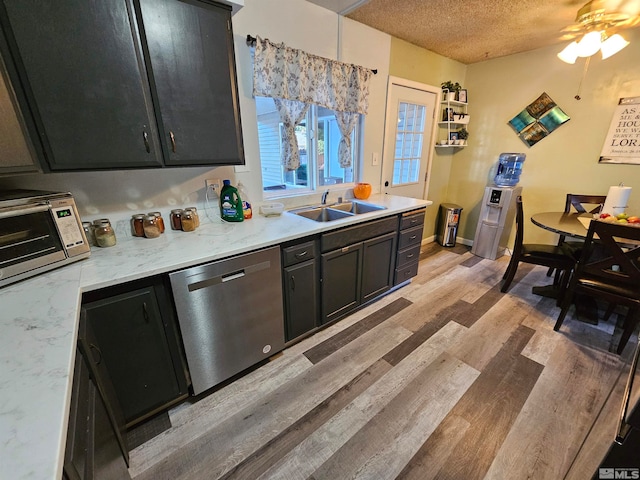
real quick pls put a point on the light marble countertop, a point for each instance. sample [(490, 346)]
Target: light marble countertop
[(39, 321)]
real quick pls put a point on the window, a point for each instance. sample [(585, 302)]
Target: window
[(318, 137), (409, 138)]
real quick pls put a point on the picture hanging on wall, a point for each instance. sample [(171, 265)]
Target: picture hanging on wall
[(538, 119), (622, 144)]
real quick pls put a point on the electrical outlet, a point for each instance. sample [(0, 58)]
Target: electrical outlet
[(213, 183)]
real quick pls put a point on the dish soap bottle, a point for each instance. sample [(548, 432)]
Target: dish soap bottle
[(230, 203), (246, 204)]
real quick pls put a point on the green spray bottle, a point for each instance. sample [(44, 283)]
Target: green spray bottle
[(230, 203)]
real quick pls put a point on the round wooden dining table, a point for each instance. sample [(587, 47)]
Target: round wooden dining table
[(566, 224)]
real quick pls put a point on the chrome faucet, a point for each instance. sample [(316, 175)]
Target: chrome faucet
[(324, 197)]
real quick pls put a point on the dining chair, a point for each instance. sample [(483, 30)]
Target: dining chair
[(552, 256), (609, 268), (580, 204)]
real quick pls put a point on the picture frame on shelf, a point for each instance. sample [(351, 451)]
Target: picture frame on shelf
[(453, 135), (462, 95)]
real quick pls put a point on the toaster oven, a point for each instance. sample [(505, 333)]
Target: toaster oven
[(39, 231)]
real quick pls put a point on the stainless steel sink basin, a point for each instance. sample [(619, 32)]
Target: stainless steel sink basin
[(328, 213), (322, 214), (357, 207)]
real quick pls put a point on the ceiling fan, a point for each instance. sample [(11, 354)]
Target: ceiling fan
[(604, 15), (598, 22)]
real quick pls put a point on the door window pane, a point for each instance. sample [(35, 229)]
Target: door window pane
[(409, 141)]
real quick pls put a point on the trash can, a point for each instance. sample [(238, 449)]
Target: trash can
[(448, 226)]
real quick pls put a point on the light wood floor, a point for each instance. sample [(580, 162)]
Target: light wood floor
[(445, 378)]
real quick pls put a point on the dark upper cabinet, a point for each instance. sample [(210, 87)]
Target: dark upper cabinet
[(82, 67), (17, 151), (102, 98), (190, 46)]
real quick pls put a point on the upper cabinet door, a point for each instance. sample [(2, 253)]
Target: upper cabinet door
[(190, 46), (17, 153), (84, 75)]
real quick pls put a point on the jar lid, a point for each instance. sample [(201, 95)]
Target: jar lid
[(138, 215), (150, 217), (187, 213), (101, 220), (193, 209), (177, 210), (86, 224), (156, 214)]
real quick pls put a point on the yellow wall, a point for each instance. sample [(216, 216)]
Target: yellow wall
[(564, 162), (420, 65)]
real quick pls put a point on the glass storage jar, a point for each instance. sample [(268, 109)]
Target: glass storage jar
[(105, 236), (188, 221), (196, 217), (158, 215), (176, 219), (137, 227), (88, 232), (151, 227)]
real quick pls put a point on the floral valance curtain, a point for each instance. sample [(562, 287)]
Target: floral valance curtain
[(286, 73)]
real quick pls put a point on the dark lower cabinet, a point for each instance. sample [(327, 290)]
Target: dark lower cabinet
[(341, 281), (409, 242), (92, 448), (377, 266), (136, 335), (300, 282), (357, 266)]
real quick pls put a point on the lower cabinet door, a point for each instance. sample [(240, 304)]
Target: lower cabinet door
[(136, 351), (340, 281), (378, 261), (301, 298), (92, 448)]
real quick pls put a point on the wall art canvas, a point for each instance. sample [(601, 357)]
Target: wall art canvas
[(538, 119), (622, 144)]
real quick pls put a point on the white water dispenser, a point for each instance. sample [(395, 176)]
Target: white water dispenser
[(497, 215)]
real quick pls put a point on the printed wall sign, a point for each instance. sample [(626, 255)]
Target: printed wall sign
[(622, 144)]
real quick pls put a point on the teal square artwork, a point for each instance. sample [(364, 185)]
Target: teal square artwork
[(538, 120)]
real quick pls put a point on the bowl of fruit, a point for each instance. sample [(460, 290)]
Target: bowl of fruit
[(631, 220)]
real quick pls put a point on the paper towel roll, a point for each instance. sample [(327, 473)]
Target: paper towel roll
[(617, 199)]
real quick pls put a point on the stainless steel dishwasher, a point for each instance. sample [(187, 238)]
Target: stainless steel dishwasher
[(230, 314)]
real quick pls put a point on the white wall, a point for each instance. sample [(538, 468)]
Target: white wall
[(306, 26)]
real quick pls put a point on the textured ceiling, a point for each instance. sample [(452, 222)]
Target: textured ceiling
[(467, 30)]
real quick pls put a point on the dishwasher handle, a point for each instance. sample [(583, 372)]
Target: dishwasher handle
[(229, 276)]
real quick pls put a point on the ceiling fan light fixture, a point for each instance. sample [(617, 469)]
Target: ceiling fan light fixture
[(569, 54), (612, 45), (589, 44)]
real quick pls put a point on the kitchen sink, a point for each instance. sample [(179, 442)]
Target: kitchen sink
[(357, 207), (322, 214), (336, 211)]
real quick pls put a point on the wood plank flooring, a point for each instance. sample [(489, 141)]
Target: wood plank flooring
[(445, 378)]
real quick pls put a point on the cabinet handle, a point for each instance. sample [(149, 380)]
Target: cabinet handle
[(301, 254), (145, 312), (145, 138), (95, 347), (413, 237), (293, 283), (173, 142), (410, 255)]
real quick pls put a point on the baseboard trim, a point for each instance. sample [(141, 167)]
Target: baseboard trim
[(432, 238)]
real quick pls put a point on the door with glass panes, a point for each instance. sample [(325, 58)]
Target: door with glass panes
[(409, 137)]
